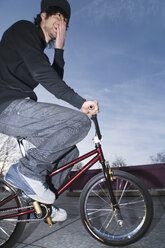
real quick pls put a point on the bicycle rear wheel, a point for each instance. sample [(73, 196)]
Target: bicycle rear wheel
[(135, 206), (9, 231)]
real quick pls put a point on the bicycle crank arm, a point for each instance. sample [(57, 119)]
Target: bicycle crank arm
[(38, 211)]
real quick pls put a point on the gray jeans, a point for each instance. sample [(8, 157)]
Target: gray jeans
[(53, 130)]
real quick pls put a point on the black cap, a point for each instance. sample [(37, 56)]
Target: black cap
[(62, 4)]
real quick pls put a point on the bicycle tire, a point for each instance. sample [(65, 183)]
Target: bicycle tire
[(10, 232), (135, 205)]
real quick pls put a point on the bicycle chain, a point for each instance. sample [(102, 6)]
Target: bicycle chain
[(27, 220)]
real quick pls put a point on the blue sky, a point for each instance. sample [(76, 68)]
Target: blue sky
[(114, 52)]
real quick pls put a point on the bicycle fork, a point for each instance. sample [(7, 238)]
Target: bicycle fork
[(109, 178), (115, 207)]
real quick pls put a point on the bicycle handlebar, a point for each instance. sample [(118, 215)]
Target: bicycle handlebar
[(94, 119)]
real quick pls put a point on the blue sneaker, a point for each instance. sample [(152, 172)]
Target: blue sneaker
[(34, 189)]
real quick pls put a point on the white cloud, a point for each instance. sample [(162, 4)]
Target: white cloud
[(134, 10), (132, 122)]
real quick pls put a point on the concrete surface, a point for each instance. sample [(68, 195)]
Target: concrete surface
[(72, 234)]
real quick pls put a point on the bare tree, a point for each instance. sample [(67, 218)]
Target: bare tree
[(158, 158), (9, 152), (119, 162)]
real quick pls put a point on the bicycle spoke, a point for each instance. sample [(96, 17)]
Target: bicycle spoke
[(131, 203), (94, 192), (98, 216), (101, 188), (97, 210), (123, 191), (4, 232), (110, 221)]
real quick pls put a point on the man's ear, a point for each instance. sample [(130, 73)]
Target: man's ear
[(43, 15)]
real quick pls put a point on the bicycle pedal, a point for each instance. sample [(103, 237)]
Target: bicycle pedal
[(49, 221)]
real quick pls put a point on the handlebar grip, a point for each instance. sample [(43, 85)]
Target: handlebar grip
[(94, 119), (91, 107)]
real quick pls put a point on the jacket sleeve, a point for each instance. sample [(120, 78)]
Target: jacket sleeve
[(27, 43), (58, 62)]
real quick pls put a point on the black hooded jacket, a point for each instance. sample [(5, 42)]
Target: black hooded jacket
[(24, 65)]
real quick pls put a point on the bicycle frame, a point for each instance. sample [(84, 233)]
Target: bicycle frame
[(99, 157)]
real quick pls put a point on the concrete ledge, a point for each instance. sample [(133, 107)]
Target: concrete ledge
[(152, 176), (153, 192)]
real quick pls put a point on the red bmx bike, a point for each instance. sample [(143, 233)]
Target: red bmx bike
[(115, 207)]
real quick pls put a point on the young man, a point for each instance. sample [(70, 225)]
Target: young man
[(54, 130)]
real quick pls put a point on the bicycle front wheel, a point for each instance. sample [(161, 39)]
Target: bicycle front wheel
[(133, 200), (10, 231)]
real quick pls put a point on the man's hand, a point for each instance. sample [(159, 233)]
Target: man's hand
[(90, 108), (61, 30)]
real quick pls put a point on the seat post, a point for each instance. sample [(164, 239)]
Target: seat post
[(21, 146)]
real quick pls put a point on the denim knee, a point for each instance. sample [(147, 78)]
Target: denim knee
[(86, 122)]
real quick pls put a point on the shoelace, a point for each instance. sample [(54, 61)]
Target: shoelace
[(56, 209), (45, 185)]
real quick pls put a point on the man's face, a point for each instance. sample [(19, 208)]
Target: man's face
[(51, 24)]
